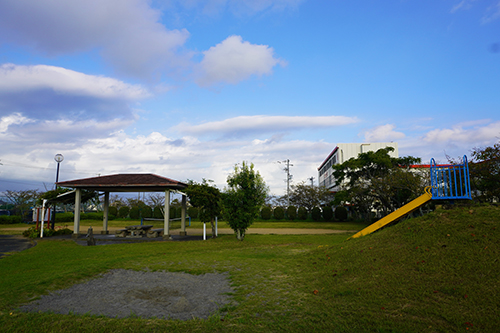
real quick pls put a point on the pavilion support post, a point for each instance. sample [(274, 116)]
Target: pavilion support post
[(78, 201), (166, 223), (183, 216), (105, 214)]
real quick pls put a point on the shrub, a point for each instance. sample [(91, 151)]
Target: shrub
[(157, 213), (265, 213), (134, 213), (279, 213), (146, 212), (327, 213), (112, 210), (64, 217), (10, 219), (316, 214), (123, 212), (302, 213), (98, 216), (291, 213), (62, 231), (341, 213)]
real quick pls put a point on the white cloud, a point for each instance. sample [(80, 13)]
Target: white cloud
[(48, 92), (127, 32), (476, 135), (246, 124), (13, 119), (16, 78), (383, 133), (234, 60)]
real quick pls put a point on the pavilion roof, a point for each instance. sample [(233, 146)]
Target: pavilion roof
[(135, 182)]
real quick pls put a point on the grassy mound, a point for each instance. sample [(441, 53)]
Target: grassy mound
[(440, 272)]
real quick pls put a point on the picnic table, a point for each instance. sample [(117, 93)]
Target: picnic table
[(134, 231)]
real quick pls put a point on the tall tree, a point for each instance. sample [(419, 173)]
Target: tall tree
[(243, 199), (375, 180), (207, 199)]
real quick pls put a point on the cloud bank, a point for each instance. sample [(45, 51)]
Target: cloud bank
[(257, 124)]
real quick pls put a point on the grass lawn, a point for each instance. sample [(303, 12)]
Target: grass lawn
[(437, 273)]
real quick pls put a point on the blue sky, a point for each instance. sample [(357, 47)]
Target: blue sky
[(187, 89)]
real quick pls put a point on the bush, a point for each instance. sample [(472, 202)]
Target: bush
[(146, 212), (98, 216), (265, 213), (316, 214), (291, 213), (134, 213), (33, 232), (157, 213), (64, 217), (341, 213), (302, 213), (123, 212), (279, 213), (10, 219), (327, 213), (112, 210)]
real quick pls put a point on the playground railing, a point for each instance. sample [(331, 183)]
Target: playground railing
[(450, 181)]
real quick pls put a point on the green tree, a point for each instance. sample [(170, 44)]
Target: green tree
[(242, 200), (207, 199), (375, 180), (485, 173)]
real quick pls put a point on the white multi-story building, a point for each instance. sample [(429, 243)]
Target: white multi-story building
[(345, 151)]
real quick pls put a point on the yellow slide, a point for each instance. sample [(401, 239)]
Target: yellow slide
[(406, 209)]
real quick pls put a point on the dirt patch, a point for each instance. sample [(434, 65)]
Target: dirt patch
[(121, 293)]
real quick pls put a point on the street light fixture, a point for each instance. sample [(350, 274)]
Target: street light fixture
[(58, 158)]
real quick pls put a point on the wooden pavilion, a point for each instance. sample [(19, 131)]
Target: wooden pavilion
[(127, 183)]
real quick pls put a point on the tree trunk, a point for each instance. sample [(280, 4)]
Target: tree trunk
[(213, 228), (240, 234)]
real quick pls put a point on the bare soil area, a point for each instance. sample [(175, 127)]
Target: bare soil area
[(122, 293)]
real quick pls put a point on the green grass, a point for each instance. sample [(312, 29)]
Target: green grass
[(438, 273)]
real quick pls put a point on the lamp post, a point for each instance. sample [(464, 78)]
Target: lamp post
[(58, 158)]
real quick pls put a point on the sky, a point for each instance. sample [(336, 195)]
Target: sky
[(189, 89)]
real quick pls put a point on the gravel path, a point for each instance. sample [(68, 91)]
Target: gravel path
[(121, 293)]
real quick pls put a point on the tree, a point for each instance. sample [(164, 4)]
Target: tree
[(309, 196), (375, 180), (485, 173), (242, 200), (22, 200), (207, 199)]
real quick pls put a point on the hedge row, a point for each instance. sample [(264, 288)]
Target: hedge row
[(292, 213), (10, 219)]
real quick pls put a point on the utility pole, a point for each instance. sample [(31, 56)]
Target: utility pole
[(312, 180), (288, 179)]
